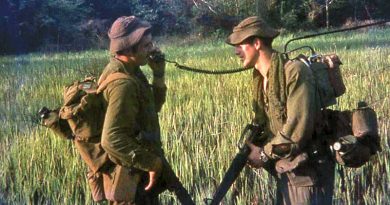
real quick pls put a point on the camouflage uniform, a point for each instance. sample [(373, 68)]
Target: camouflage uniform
[(288, 110)]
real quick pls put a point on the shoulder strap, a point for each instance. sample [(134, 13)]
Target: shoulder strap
[(110, 78)]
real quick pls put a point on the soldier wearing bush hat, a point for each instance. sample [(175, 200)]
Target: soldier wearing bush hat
[(126, 32), (285, 104), (252, 26), (131, 131)]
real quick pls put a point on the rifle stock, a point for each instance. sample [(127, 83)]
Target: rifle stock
[(250, 132), (173, 184)]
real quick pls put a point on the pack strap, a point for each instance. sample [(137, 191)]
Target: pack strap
[(110, 78)]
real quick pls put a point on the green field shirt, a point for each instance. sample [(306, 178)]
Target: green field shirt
[(131, 131), (288, 107)]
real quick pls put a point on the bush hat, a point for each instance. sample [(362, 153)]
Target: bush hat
[(125, 32), (251, 26)]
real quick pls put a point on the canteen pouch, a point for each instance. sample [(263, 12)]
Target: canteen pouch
[(120, 184), (95, 181), (365, 126)]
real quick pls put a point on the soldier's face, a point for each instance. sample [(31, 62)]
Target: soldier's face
[(247, 53), (143, 49)]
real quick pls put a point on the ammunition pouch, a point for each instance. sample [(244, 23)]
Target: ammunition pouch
[(116, 183), (120, 183)]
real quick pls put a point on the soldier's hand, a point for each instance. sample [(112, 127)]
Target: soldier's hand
[(154, 174), (156, 62), (255, 159)]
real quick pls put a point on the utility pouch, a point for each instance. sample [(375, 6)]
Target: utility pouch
[(95, 181), (120, 184)]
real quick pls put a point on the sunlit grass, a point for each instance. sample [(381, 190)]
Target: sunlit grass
[(201, 121)]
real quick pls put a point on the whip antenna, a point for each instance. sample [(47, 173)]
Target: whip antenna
[(334, 31)]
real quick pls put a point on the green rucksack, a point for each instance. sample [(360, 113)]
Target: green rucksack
[(81, 118), (327, 74), (352, 135)]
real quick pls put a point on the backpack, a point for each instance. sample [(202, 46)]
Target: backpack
[(81, 117), (327, 75), (352, 135)]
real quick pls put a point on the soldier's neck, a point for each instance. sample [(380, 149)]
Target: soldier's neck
[(264, 61)]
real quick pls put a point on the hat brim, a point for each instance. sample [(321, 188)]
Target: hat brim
[(125, 42), (238, 37)]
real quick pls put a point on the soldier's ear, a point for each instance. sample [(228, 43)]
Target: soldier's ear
[(257, 43)]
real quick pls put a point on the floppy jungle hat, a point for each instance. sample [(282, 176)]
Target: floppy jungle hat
[(126, 32), (251, 26)]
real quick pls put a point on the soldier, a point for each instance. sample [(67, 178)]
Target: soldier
[(286, 104), (131, 131)]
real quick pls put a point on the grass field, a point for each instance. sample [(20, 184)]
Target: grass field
[(201, 121)]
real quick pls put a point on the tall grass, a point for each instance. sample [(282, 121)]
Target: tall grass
[(201, 121)]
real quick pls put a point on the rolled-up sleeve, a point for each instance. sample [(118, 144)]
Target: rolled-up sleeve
[(301, 111), (120, 133)]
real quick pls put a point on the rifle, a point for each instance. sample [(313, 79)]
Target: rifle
[(251, 132), (174, 185)]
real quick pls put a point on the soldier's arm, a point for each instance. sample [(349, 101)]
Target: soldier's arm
[(119, 135), (301, 111), (159, 92), (158, 84)]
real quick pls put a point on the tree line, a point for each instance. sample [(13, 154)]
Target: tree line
[(31, 25)]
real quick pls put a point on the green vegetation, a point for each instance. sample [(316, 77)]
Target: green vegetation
[(201, 121), (74, 25)]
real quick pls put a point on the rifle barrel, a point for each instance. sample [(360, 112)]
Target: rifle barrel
[(231, 175)]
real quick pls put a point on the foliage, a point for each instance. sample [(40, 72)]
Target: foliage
[(55, 25)]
